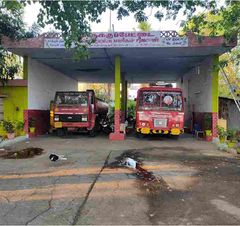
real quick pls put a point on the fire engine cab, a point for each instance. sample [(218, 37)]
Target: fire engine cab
[(159, 110)]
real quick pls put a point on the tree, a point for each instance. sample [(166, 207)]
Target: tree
[(72, 18), (12, 26), (228, 61), (144, 26)]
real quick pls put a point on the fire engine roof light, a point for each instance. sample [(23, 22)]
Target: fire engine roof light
[(163, 84)]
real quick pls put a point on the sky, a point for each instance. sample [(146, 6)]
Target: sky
[(126, 24)]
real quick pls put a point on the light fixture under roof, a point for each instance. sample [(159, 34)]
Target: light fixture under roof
[(88, 69)]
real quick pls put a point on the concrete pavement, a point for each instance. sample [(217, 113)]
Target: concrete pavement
[(200, 183)]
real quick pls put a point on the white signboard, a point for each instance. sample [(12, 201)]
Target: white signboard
[(125, 40)]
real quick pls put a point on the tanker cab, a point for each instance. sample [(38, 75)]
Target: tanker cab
[(160, 111), (70, 110)]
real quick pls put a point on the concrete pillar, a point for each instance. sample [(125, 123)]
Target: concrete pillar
[(124, 99), (25, 67), (116, 135), (126, 96), (215, 93)]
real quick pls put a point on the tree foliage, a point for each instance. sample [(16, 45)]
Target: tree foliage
[(228, 61), (144, 26), (12, 26), (72, 18)]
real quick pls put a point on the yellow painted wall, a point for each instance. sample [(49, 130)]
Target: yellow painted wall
[(16, 98), (14, 104)]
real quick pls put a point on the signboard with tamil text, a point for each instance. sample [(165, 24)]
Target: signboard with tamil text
[(125, 40)]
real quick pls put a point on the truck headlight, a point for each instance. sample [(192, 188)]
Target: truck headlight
[(144, 124), (56, 118), (84, 118)]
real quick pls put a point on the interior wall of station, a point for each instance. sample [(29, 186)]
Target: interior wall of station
[(197, 89), (43, 82)]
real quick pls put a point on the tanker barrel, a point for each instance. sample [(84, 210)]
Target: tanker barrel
[(101, 107)]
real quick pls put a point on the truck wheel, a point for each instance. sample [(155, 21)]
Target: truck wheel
[(140, 135), (174, 137), (61, 132), (92, 133)]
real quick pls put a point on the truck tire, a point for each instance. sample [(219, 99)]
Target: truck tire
[(92, 133), (174, 137), (140, 135), (61, 132)]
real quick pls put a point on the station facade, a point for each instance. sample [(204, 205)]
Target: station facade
[(120, 57)]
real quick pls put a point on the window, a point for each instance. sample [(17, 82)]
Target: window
[(160, 100), (171, 101), (71, 98)]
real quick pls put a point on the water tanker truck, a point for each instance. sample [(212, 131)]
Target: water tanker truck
[(77, 111)]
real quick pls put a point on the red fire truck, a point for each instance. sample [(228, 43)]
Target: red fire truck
[(159, 110), (79, 111)]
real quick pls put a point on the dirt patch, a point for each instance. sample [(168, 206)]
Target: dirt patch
[(21, 154)]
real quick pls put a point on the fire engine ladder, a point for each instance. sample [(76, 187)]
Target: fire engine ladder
[(233, 88)]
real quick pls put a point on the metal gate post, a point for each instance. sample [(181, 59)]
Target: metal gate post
[(116, 135)]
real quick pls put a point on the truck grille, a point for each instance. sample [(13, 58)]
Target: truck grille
[(162, 123), (70, 118)]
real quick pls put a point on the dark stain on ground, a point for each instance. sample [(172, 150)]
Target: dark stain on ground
[(21, 154), (126, 154), (147, 180)]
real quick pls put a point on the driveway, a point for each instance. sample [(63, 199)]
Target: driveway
[(183, 182)]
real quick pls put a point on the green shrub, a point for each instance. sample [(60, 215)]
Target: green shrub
[(8, 126), (19, 125), (131, 108), (232, 134)]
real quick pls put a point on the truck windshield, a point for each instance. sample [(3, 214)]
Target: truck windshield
[(71, 98), (160, 100)]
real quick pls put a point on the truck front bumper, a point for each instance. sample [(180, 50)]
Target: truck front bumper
[(172, 131), (59, 125)]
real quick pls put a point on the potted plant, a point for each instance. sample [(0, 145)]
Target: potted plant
[(232, 138), (31, 125), (208, 135), (222, 134), (19, 128), (8, 127)]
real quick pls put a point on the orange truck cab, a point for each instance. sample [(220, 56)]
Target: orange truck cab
[(79, 111), (159, 110)]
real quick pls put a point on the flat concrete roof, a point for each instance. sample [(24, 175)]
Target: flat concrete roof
[(146, 56)]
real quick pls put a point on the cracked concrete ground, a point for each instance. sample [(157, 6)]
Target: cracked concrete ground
[(201, 183)]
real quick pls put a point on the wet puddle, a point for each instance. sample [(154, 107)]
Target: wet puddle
[(21, 154)]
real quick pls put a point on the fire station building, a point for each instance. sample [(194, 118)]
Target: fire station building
[(122, 58)]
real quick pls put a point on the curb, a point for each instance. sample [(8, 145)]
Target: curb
[(13, 141)]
